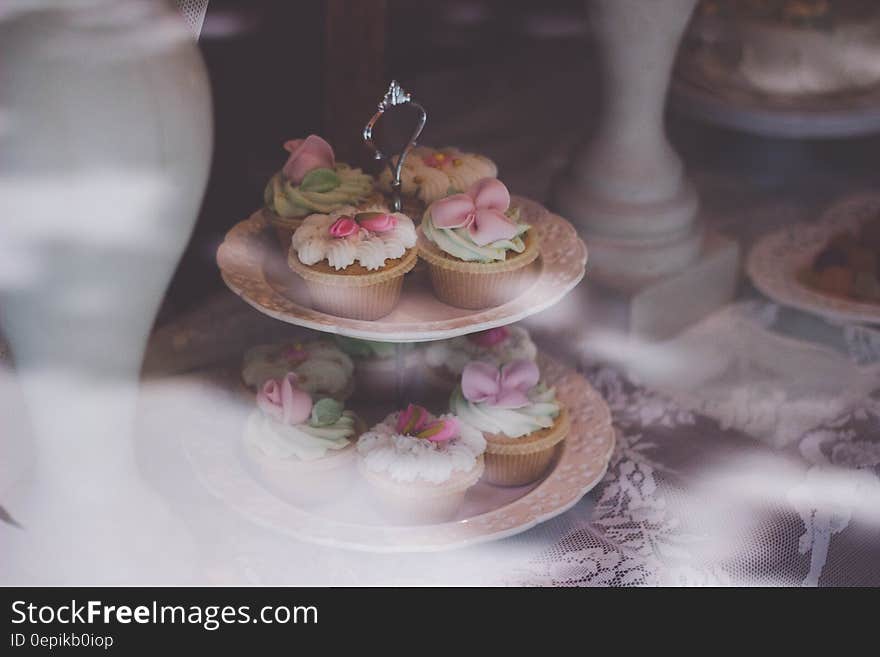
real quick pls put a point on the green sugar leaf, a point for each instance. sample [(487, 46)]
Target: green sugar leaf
[(325, 412), (320, 180)]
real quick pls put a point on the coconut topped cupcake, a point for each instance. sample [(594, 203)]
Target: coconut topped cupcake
[(508, 400), (321, 367), (368, 239), (497, 345), (476, 226), (290, 425), (414, 445), (313, 181), (429, 174)]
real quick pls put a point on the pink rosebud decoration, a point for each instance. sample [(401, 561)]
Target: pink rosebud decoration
[(439, 431), (307, 155), (343, 227), (489, 338), (412, 420), (284, 401), (505, 387), (480, 209), (376, 222)]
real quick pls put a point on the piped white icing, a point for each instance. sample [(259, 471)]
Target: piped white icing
[(407, 458), (326, 370), (313, 242), (301, 442), (455, 353), (540, 413), (429, 183)]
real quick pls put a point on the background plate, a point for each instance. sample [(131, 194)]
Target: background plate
[(774, 261)]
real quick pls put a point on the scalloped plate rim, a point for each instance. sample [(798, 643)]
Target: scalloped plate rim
[(342, 326)]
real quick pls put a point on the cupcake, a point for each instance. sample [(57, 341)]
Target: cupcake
[(429, 174), (420, 466), (321, 367), (477, 250), (353, 262), (301, 449), (519, 417), (310, 182), (380, 366), (447, 358)]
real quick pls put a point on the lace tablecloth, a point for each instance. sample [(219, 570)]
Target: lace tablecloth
[(701, 490)]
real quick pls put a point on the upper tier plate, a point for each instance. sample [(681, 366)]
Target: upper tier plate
[(254, 267), (774, 262)]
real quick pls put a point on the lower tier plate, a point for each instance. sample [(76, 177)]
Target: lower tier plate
[(489, 512)]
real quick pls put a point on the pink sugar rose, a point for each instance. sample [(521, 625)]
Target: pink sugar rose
[(504, 387), (284, 401), (307, 155)]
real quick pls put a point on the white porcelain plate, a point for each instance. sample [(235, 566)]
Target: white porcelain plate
[(254, 267), (489, 512), (774, 262)]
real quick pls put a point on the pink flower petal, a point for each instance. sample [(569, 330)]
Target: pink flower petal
[(522, 375), (284, 401), (489, 338), (441, 430), (510, 398), (343, 227), (307, 155), (412, 420), (491, 225), (491, 194), (480, 382), (452, 212), (376, 222)]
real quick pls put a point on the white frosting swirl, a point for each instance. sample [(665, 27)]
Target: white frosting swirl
[(457, 172), (301, 442), (324, 370), (455, 353), (313, 242), (406, 458), (539, 414)]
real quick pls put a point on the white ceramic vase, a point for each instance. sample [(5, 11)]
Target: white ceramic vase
[(105, 144)]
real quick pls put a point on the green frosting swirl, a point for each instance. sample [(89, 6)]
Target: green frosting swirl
[(539, 413), (357, 348), (320, 192), (458, 243)]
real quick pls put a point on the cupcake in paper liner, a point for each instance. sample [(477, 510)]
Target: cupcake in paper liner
[(311, 181), (320, 366), (477, 250), (353, 261), (445, 359), (519, 417), (381, 367), (429, 174), (301, 448), (420, 466)]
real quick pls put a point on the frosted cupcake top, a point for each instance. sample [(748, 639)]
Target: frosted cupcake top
[(478, 225), (498, 345), (506, 400), (430, 174), (289, 425), (414, 445), (347, 235), (313, 181), (320, 366), (370, 349)]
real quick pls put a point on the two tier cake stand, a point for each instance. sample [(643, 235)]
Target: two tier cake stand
[(254, 267)]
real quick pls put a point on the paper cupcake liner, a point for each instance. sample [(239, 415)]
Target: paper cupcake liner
[(421, 502), (476, 285), (306, 483), (355, 296), (284, 226), (520, 461)]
